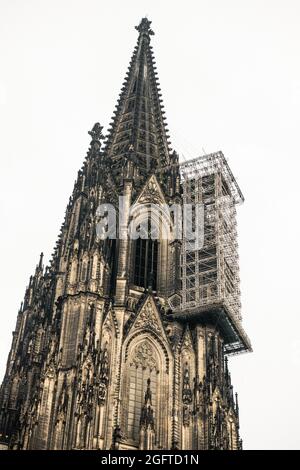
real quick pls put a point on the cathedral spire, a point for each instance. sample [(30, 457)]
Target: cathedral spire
[(113, 333), (138, 130)]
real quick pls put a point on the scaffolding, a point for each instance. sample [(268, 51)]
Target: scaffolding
[(210, 273)]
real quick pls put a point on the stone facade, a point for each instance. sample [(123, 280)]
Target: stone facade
[(98, 360)]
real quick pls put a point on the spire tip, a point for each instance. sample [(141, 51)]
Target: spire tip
[(144, 27)]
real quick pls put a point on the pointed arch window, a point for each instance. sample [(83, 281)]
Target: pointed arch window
[(143, 366), (145, 262)]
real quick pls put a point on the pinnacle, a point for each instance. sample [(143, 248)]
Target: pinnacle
[(144, 27), (96, 132)]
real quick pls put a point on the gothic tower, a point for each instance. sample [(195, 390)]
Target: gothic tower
[(122, 341)]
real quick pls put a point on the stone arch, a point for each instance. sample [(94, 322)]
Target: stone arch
[(160, 218), (145, 357), (156, 210)]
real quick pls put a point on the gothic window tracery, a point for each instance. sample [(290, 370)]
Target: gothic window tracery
[(143, 366)]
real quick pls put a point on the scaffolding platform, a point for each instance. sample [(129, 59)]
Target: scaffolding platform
[(210, 283)]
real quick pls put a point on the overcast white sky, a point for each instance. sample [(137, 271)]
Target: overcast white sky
[(230, 77)]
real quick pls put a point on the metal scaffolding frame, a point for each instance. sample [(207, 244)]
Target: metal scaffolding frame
[(210, 275)]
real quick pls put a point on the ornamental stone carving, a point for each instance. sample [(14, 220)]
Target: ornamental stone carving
[(144, 356), (151, 193), (148, 319)]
